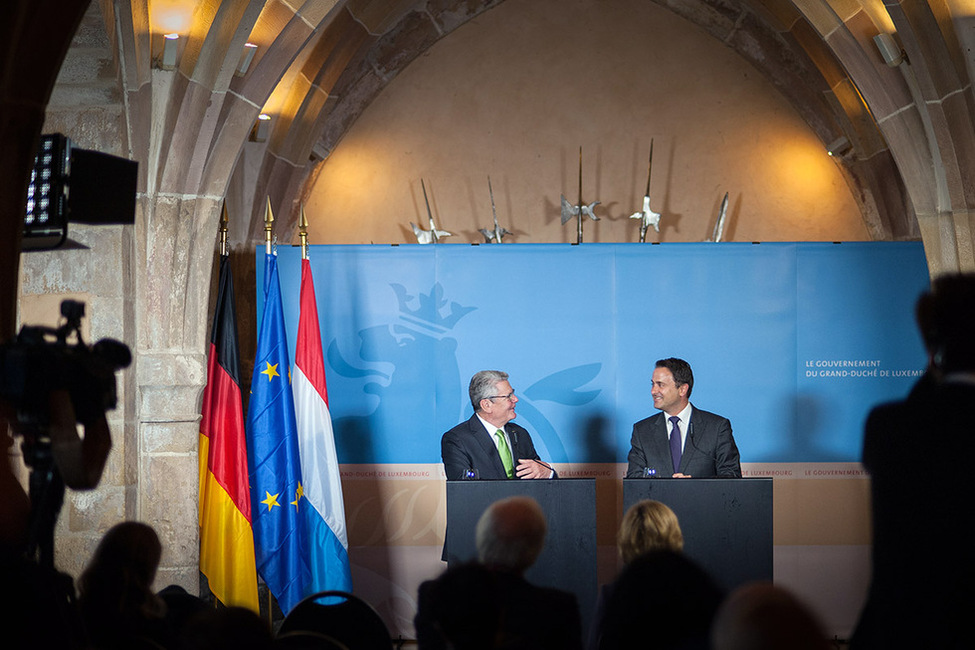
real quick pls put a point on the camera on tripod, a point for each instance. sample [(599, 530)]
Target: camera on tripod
[(41, 360), (39, 372)]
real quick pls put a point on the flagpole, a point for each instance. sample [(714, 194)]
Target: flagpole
[(325, 530), (268, 221), (227, 557), (276, 486)]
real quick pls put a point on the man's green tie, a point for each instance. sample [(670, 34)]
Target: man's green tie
[(509, 467)]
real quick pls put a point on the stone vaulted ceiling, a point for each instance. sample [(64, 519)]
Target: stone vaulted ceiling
[(909, 126)]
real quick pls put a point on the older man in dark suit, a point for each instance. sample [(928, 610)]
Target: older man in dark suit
[(491, 605), (489, 443), (681, 441)]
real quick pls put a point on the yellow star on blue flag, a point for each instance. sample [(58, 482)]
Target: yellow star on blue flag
[(271, 371), (298, 494), (271, 500)]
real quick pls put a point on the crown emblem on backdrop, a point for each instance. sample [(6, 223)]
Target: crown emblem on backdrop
[(430, 310)]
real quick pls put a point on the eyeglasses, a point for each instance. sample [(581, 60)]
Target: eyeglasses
[(507, 397)]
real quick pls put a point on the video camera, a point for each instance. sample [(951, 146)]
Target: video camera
[(38, 363), (41, 360)]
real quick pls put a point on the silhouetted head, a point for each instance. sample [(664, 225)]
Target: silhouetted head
[(128, 554), (648, 526), (761, 616), (945, 317), (510, 534)]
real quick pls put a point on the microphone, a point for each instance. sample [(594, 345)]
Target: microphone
[(711, 457), (690, 437), (545, 465), (513, 434)]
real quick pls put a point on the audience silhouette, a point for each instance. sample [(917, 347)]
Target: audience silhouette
[(225, 628), (491, 605), (117, 603), (647, 525), (917, 452), (761, 616), (661, 600)]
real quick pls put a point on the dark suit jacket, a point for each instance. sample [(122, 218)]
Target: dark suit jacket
[(467, 446), (497, 605), (919, 455), (709, 449)]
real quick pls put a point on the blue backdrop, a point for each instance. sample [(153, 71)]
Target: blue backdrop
[(794, 342)]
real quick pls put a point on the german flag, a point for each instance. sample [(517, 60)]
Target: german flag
[(226, 533)]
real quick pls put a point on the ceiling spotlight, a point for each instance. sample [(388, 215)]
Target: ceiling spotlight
[(262, 127), (889, 49), (839, 146), (246, 56), (168, 60)]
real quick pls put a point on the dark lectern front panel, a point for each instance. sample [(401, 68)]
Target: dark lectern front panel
[(567, 562), (727, 523)]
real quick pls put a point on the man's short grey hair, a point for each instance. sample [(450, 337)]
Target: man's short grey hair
[(483, 386), (510, 534)]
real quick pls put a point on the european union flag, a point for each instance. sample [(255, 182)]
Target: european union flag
[(272, 440)]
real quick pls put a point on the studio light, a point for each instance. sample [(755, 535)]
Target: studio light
[(68, 183), (46, 223)]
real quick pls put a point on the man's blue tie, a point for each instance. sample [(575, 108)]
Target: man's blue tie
[(675, 443)]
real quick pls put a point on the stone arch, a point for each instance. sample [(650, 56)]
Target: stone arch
[(353, 63)]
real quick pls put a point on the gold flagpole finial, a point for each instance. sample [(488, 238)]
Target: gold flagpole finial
[(303, 233), (224, 220), (268, 220)]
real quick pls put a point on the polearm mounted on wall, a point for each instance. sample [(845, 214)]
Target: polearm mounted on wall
[(718, 231), (433, 235), (498, 233), (647, 216), (579, 210)]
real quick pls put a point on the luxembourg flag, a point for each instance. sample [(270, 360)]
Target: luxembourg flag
[(325, 519)]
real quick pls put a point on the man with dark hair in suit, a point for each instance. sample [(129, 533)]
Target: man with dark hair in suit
[(681, 441), (489, 443), (918, 453)]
